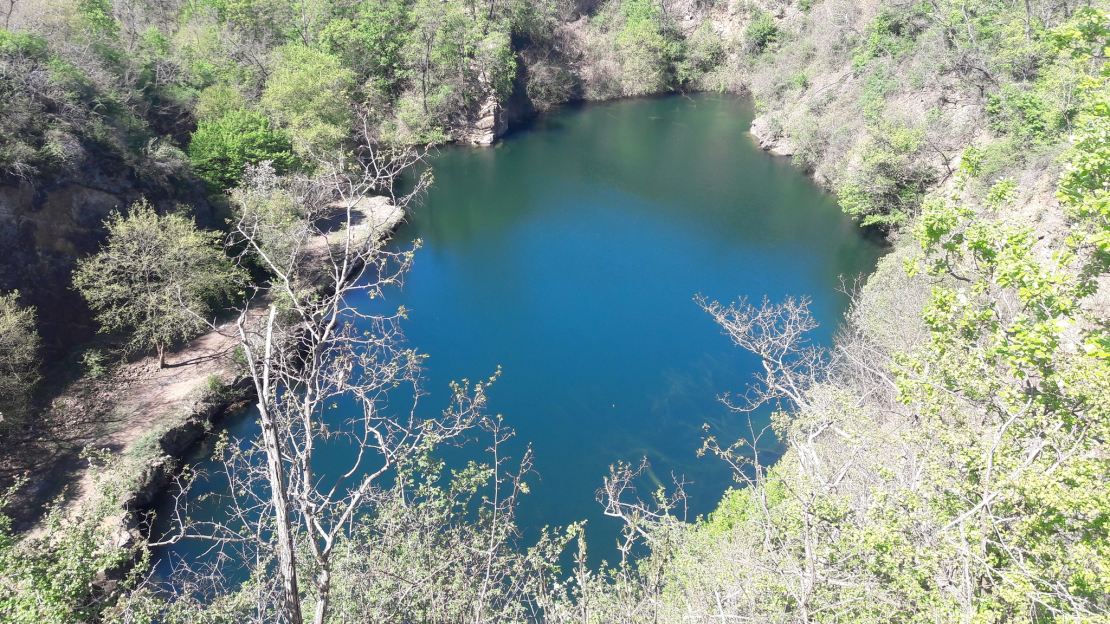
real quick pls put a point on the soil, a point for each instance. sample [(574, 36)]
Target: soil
[(110, 412)]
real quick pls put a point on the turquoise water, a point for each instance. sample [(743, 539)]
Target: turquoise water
[(569, 255)]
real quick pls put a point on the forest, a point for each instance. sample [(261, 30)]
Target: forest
[(946, 458)]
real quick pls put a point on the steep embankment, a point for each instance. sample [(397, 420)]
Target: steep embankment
[(947, 459)]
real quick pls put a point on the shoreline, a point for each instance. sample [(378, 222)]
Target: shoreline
[(162, 414)]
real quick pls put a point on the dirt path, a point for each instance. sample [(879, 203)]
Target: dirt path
[(132, 400), (112, 412)]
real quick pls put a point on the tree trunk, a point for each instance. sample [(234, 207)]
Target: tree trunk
[(287, 564), (161, 355), (323, 593)]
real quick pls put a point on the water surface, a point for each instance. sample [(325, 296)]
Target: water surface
[(569, 255)]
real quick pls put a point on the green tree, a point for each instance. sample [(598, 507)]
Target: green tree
[(761, 32), (370, 41), (308, 95), (889, 176), (222, 147), (646, 47), (19, 344), (217, 101), (156, 277)]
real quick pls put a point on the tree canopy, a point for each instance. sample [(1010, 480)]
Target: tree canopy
[(156, 277), (222, 147)]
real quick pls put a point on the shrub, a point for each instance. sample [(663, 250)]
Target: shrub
[(221, 148), (307, 95), (1024, 115), (370, 41), (704, 52), (761, 32), (217, 101), (889, 177), (549, 84), (93, 361), (645, 48), (19, 344)]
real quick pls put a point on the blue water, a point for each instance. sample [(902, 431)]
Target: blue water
[(569, 255)]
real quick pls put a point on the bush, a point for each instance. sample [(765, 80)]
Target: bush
[(307, 95), (370, 41), (761, 32), (57, 576), (93, 361), (222, 148), (44, 115), (1024, 115), (549, 84), (19, 344), (704, 53), (891, 34), (888, 179), (645, 48)]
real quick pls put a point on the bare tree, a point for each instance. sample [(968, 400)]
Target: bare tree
[(777, 333), (312, 350)]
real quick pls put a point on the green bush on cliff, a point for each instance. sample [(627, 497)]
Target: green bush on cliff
[(57, 576), (221, 148), (45, 110), (888, 177), (19, 344), (761, 31)]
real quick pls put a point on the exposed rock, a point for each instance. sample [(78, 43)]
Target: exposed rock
[(768, 139), (489, 123)]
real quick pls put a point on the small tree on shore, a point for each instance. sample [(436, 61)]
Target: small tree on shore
[(155, 277)]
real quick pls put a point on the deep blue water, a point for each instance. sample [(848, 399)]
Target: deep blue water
[(569, 255)]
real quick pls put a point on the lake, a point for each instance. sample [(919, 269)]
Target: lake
[(570, 253)]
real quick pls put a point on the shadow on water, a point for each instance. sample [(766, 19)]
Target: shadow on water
[(570, 255)]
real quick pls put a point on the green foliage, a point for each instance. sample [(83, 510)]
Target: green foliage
[(703, 54), (761, 31), (645, 48), (19, 344), (370, 40), (223, 147), (93, 361), (45, 104), (495, 55), (217, 102), (97, 17), (54, 576), (308, 96), (156, 277), (1014, 317), (891, 34), (1026, 116), (888, 179)]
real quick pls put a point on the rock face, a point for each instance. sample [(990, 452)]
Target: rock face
[(768, 139), (489, 123), (46, 225)]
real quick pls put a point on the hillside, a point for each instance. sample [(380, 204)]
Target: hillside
[(945, 459)]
